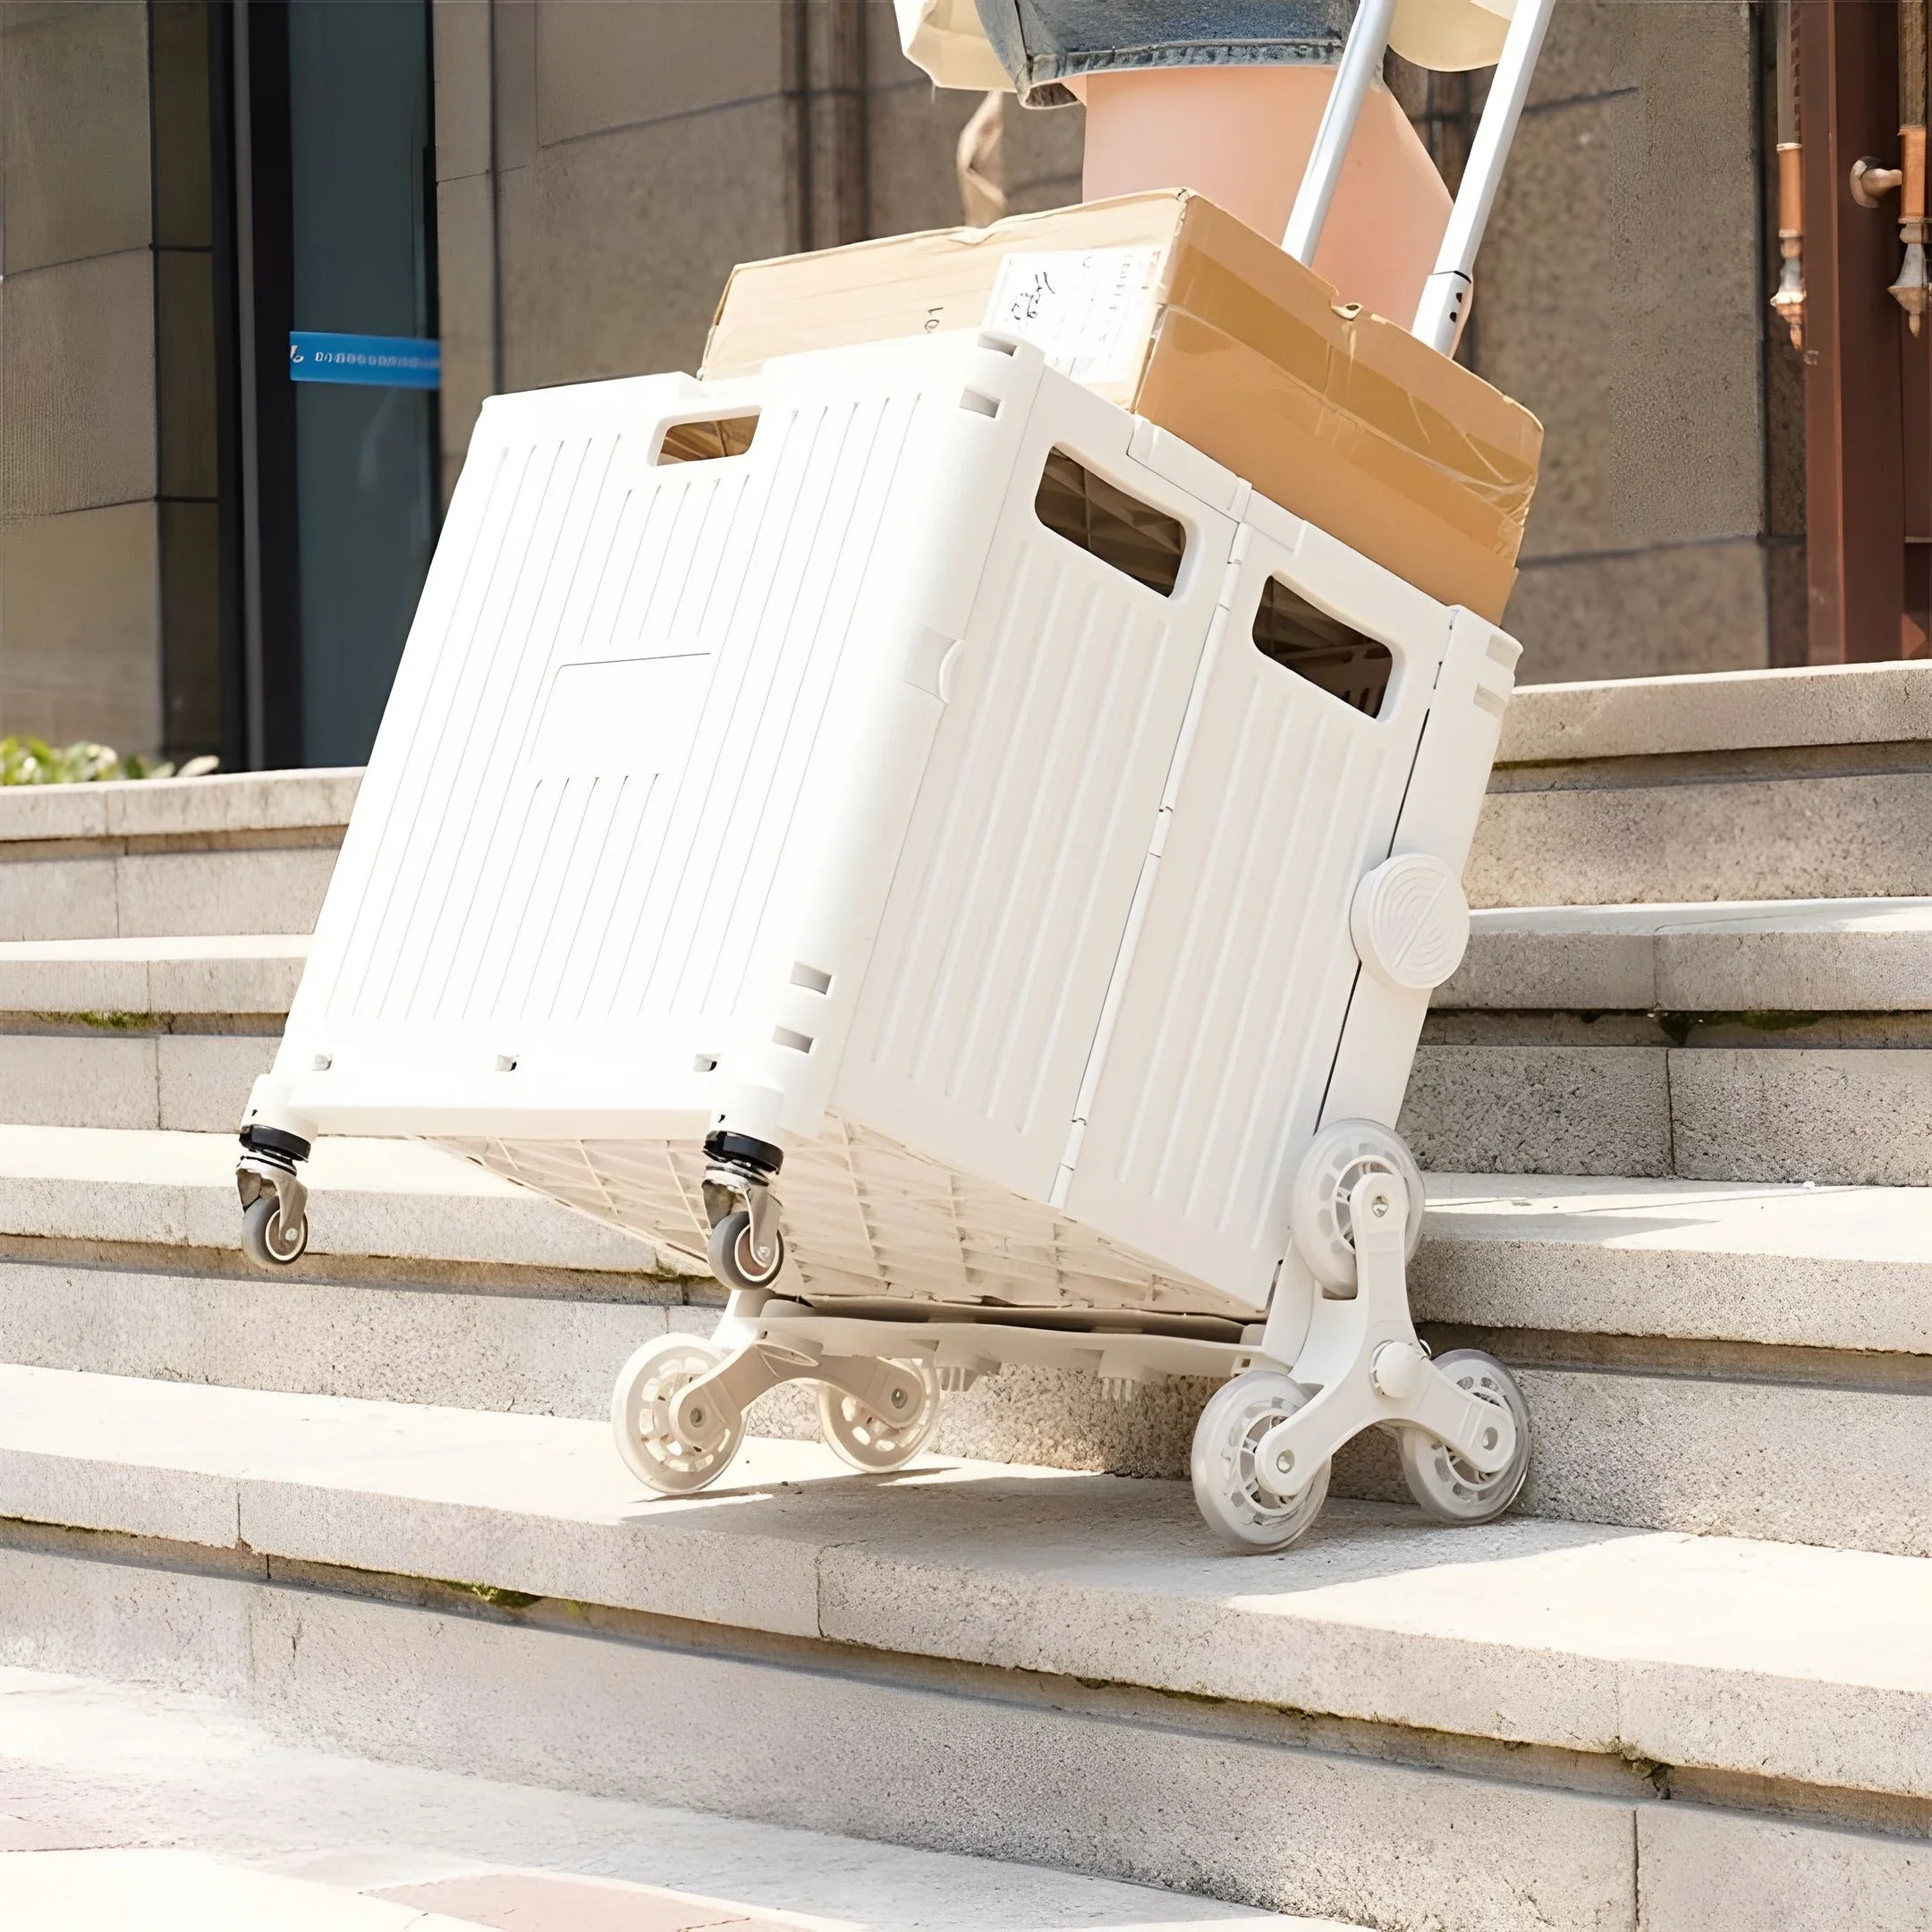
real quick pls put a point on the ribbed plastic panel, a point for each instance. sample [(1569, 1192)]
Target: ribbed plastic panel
[(1243, 970), (1012, 893), (714, 606), (866, 1217)]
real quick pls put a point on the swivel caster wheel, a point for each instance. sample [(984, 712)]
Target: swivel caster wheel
[(264, 1238), (734, 1259), (875, 1443), (1444, 1485), (1248, 1507), (647, 1385)]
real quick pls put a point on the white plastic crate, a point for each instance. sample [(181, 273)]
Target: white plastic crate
[(816, 790)]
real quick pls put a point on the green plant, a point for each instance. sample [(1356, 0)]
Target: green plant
[(34, 761)]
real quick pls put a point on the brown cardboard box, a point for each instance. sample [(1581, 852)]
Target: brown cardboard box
[(1174, 310)]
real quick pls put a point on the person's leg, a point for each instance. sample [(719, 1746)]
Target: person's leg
[(1241, 136)]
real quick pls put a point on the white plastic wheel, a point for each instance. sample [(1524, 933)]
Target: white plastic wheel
[(1444, 1485), (1337, 1157), (1229, 1488), (264, 1238), (641, 1416), (874, 1443)]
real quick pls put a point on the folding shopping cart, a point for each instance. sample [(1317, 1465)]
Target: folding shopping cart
[(937, 845)]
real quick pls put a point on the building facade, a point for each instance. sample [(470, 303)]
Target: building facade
[(202, 548)]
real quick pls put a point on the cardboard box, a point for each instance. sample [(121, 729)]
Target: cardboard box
[(1170, 307)]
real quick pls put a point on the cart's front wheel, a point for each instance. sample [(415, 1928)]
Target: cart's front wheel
[(875, 1443), (734, 1260), (1438, 1479), (647, 1385), (1252, 1508), (264, 1238)]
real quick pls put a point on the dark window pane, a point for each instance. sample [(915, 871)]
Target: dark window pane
[(1322, 648), (1119, 529)]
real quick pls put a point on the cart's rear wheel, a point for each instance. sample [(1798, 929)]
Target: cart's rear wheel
[(1438, 1479), (1232, 1492), (876, 1443), (1337, 1157), (264, 1238), (733, 1261), (641, 1416)]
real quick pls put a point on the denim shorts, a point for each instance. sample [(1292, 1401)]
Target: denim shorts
[(1040, 43)]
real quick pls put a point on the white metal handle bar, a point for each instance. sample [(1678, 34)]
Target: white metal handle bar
[(1446, 295), (1361, 62)]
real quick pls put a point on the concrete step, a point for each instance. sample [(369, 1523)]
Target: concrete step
[(126, 1805), (1741, 1360), (168, 1031), (403, 1200), (249, 854), (1756, 784), (1737, 1042), (1532, 1724), (1758, 1041)]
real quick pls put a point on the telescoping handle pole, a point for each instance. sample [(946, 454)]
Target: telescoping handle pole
[(1361, 62), (1446, 295)]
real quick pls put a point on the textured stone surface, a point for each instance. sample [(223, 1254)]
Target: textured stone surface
[(1313, 1832), (203, 1079), (1792, 1662), (1682, 606), (1569, 1110), (1847, 1468), (397, 1197), (79, 1081), (80, 640), (1626, 315), (539, 1353), (1705, 1870), (80, 370), (87, 1763), (1799, 837), (1825, 1268), (1780, 1112), (1776, 956), (73, 98), (1823, 705), (1804, 1115), (1838, 1465), (616, 246), (176, 973), (147, 807)]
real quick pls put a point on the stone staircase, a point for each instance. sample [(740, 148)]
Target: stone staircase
[(1678, 1108)]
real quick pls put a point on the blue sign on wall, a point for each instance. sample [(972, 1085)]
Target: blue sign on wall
[(383, 362)]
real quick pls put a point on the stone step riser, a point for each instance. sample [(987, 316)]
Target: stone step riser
[(1859, 1116), (1856, 1116), (1126, 1784), (1789, 837), (1831, 1464), (243, 889), (113, 1076)]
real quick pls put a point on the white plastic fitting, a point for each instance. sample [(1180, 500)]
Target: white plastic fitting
[(1409, 922)]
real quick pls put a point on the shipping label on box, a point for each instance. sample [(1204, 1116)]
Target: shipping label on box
[(1089, 311)]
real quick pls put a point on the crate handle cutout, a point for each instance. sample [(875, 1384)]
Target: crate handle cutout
[(1134, 537), (707, 441), (1300, 637), (811, 978)]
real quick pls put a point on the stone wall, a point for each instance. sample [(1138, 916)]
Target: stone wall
[(1622, 296), (109, 624)]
